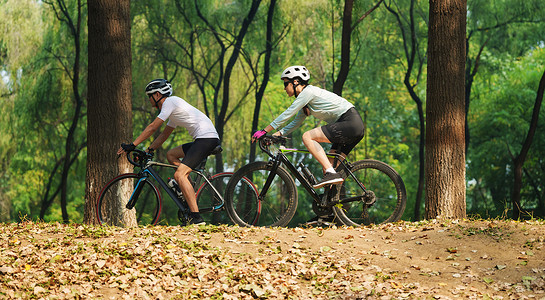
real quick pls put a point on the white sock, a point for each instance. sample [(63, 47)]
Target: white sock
[(330, 170)]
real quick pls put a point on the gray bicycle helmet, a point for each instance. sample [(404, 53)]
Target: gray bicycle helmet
[(159, 85), (296, 72)]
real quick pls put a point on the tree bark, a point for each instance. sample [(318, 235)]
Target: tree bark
[(445, 110), (109, 119)]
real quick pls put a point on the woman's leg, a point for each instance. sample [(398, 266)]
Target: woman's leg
[(312, 140)]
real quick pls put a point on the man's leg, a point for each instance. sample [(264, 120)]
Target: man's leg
[(174, 155), (181, 175)]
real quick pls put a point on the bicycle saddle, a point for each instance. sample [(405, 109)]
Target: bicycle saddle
[(216, 150)]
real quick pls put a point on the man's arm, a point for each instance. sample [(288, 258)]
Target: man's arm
[(150, 129), (162, 137)]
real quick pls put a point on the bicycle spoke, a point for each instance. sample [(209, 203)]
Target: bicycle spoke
[(248, 207), (111, 206), (211, 206), (385, 198)]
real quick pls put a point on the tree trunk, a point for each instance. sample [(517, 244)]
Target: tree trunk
[(109, 119), (518, 161), (445, 110), (266, 75), (5, 207), (70, 148), (231, 65), (69, 145), (347, 30), (345, 48), (414, 65)]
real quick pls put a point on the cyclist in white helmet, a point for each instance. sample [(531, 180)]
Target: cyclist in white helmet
[(200, 127), (344, 127)]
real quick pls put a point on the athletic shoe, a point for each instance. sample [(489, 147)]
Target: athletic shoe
[(329, 178), (196, 220)]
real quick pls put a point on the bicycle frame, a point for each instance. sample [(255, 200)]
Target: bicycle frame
[(281, 158), (148, 171)]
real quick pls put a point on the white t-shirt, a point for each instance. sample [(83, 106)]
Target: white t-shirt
[(180, 113)]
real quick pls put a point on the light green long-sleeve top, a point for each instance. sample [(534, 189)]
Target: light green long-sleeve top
[(323, 105)]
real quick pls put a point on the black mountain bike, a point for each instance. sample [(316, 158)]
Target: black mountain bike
[(139, 193), (372, 191)]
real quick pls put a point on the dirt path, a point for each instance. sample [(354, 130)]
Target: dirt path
[(427, 260)]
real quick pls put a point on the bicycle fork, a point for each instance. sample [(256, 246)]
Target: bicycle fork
[(136, 192), (274, 166)]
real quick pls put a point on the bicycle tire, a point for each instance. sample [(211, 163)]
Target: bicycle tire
[(242, 197), (210, 206), (116, 194), (389, 194)]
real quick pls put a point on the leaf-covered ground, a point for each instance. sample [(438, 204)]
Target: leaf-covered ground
[(425, 260)]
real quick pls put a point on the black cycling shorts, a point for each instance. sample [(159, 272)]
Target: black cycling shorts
[(346, 132), (196, 151)]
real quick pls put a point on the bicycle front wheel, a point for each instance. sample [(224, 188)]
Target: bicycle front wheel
[(211, 206), (246, 203), (385, 199), (114, 197)]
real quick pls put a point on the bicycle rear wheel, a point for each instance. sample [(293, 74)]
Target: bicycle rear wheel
[(385, 201), (111, 205), (212, 207), (247, 207)]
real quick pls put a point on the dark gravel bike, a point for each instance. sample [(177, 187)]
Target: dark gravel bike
[(372, 191), (140, 193)]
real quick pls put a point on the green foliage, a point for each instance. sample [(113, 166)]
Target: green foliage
[(43, 108), (170, 39), (501, 114)]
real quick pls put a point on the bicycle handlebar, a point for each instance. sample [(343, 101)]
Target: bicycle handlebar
[(139, 158), (266, 140)]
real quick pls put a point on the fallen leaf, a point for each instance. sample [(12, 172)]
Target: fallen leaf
[(100, 263), (500, 267)]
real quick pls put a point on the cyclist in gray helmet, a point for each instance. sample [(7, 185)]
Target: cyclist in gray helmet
[(200, 127), (344, 127)]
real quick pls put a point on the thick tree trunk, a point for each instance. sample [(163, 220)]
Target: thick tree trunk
[(109, 119), (445, 110)]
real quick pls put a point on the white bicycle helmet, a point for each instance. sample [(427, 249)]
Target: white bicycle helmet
[(296, 71), (159, 85)]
